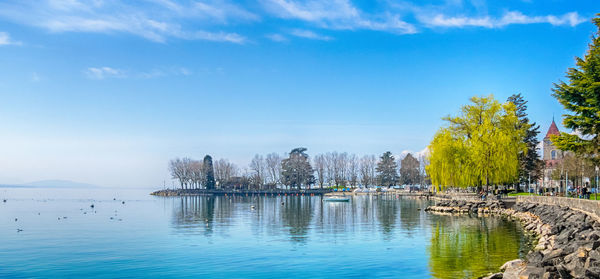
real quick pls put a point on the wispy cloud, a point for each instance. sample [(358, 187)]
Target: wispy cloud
[(100, 73), (218, 20), (509, 18), (337, 14), (310, 35), (276, 37), (152, 21), (6, 40), (35, 77)]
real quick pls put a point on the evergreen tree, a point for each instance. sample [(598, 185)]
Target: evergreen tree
[(386, 170), (209, 179), (296, 169), (581, 97), (529, 161), (409, 170)]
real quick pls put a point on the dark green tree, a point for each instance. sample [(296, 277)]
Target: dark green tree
[(386, 170), (580, 96), (529, 162), (296, 170), (409, 170), (209, 179)]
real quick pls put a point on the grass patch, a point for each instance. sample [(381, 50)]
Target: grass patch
[(521, 194)]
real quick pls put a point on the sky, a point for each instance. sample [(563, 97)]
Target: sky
[(106, 92)]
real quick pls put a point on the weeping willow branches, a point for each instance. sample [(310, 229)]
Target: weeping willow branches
[(480, 146)]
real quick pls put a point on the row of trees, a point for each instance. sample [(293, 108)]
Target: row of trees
[(298, 170)]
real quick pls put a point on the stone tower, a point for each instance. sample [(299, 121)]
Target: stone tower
[(551, 154)]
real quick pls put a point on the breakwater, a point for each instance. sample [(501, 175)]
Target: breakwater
[(568, 233), (223, 192)]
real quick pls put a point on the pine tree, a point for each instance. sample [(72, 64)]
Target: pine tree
[(209, 180), (386, 170), (581, 97), (529, 161), (296, 169)]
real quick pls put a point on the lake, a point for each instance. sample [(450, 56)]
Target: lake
[(130, 234)]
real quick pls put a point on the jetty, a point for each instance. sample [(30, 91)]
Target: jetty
[(232, 192)]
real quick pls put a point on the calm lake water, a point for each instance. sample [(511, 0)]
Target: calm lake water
[(223, 237)]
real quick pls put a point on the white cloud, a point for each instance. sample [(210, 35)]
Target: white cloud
[(151, 20), (215, 20), (35, 77), (103, 72), (100, 73), (276, 37), (337, 15), (513, 17), (310, 35), (5, 40)]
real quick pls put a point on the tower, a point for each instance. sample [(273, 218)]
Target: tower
[(551, 154)]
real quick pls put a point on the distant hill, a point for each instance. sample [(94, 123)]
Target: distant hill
[(58, 184)]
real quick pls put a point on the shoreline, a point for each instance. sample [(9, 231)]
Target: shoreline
[(568, 239)]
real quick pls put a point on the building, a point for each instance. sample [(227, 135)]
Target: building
[(552, 157)]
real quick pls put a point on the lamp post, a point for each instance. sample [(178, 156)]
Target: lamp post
[(529, 183), (596, 192), (567, 183)]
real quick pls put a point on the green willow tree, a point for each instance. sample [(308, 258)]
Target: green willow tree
[(479, 147), (581, 97)]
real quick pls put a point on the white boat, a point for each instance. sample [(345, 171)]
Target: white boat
[(337, 199)]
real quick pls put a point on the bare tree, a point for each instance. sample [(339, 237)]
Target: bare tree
[(257, 165), (410, 170), (177, 170), (340, 168), (353, 170), (197, 173), (367, 170), (273, 162), (320, 164), (224, 171), (330, 167)]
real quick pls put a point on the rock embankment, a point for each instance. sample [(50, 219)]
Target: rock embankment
[(175, 192), (568, 245), (466, 206)]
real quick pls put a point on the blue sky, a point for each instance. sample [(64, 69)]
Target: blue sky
[(106, 92)]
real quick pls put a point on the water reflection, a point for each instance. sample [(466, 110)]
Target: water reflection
[(452, 246), (468, 247)]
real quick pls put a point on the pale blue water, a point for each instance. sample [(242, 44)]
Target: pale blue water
[(223, 237)]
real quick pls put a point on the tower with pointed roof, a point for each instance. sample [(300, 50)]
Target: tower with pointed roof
[(552, 155)]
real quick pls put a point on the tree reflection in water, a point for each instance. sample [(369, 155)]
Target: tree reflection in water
[(457, 246), (469, 247)]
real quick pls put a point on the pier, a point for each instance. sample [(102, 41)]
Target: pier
[(231, 192)]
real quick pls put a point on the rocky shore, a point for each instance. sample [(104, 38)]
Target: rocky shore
[(568, 245), (467, 206)]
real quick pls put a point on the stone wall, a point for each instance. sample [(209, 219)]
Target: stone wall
[(589, 207)]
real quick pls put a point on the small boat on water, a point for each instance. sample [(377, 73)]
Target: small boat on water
[(337, 199)]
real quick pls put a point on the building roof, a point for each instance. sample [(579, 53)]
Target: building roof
[(553, 130)]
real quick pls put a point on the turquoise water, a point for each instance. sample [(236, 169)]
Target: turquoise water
[(224, 237)]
